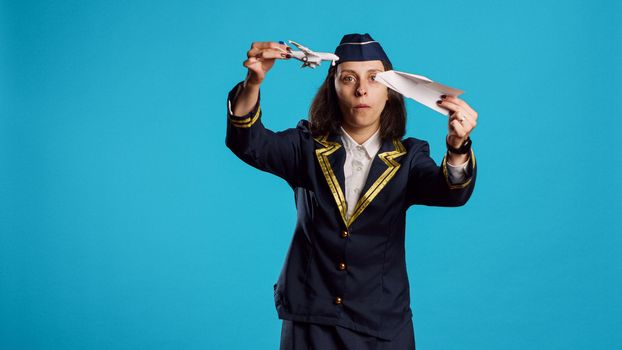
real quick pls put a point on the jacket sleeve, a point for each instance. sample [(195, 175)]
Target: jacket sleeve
[(278, 153), (429, 184)]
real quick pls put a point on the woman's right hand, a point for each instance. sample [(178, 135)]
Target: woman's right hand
[(261, 58)]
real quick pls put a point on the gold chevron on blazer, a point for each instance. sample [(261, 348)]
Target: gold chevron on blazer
[(322, 157), (392, 167), (387, 157)]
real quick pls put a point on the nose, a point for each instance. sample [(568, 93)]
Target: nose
[(361, 90)]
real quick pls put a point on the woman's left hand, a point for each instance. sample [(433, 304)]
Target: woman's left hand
[(462, 119)]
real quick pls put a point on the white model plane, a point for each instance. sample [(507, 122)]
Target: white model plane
[(311, 58)]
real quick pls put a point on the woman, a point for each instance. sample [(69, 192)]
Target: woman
[(344, 283)]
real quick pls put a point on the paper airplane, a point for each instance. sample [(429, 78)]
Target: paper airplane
[(417, 87)]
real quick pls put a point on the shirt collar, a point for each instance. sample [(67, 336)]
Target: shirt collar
[(371, 146)]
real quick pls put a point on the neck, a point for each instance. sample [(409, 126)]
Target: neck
[(360, 135)]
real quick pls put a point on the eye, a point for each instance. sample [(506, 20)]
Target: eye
[(348, 79), (373, 77)]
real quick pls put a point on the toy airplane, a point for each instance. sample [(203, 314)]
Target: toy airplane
[(311, 58)]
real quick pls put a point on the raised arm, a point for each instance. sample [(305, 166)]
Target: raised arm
[(260, 59), (279, 153), (430, 184)]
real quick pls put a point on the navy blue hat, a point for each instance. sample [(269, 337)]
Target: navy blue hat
[(360, 47)]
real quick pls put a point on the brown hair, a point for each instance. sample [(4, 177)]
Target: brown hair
[(325, 115)]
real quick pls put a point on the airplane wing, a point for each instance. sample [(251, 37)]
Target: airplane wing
[(302, 48)]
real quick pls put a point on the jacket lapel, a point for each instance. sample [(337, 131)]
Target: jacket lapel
[(384, 166), (331, 157)]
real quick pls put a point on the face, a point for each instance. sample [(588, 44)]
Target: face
[(361, 98)]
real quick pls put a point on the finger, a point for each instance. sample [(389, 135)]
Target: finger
[(465, 120), (448, 105), (463, 104), (455, 116), (467, 123), (289, 49), (271, 54), (465, 107), (255, 52), (255, 66), (250, 62), (457, 129), (269, 45), (456, 108), (252, 52)]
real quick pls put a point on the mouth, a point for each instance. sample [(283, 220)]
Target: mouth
[(361, 106)]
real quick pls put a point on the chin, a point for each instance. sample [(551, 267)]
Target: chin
[(362, 121)]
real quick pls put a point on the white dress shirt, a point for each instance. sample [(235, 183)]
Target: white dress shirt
[(358, 163)]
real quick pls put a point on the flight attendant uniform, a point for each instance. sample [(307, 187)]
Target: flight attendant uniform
[(344, 283), (303, 335)]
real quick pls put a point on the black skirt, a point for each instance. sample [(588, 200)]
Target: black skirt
[(309, 336)]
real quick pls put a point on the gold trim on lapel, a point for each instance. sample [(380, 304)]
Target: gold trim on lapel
[(392, 166), (322, 157), (387, 157)]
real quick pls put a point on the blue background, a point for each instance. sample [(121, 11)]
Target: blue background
[(126, 223)]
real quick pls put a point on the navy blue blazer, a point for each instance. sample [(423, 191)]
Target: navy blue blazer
[(338, 271)]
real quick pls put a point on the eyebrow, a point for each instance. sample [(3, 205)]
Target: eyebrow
[(369, 70)]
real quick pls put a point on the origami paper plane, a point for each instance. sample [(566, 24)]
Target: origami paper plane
[(417, 87)]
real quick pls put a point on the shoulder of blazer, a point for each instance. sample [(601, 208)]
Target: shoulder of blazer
[(303, 125), (413, 145)]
